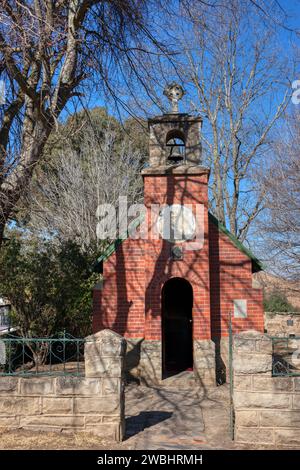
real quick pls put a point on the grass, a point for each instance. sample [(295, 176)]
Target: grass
[(30, 440)]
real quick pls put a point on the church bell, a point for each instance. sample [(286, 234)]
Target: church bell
[(176, 151)]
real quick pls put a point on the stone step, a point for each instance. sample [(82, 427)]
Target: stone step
[(184, 381)]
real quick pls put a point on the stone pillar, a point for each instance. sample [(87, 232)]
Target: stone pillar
[(252, 358), (266, 407), (252, 353), (133, 358), (205, 362), (150, 367), (104, 354)]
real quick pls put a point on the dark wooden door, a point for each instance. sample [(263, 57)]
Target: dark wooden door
[(177, 326)]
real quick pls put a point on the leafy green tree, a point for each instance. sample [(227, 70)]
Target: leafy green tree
[(49, 287), (277, 302)]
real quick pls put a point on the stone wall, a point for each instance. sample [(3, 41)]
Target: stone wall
[(188, 126), (282, 324), (149, 369), (150, 366), (267, 409), (94, 403), (205, 362)]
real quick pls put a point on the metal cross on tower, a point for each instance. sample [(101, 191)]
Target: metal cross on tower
[(174, 93)]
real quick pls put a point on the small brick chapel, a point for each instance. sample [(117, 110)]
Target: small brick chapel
[(173, 304)]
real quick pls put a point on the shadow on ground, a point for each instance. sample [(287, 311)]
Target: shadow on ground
[(145, 419)]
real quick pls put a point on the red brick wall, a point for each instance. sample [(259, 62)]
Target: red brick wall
[(179, 189), (120, 305), (130, 302), (231, 278)]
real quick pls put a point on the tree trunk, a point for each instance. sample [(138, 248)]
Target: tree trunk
[(2, 225)]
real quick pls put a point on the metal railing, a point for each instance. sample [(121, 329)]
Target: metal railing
[(60, 355), (286, 356)]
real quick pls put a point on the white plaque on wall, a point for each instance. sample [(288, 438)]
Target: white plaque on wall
[(240, 308)]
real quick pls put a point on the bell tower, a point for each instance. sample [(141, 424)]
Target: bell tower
[(175, 179), (174, 137)]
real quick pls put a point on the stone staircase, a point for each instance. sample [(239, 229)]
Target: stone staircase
[(182, 381)]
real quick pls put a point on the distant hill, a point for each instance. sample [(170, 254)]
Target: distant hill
[(271, 283)]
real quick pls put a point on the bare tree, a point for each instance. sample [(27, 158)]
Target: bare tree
[(64, 199), (280, 228), (237, 74), (238, 78), (51, 49), (48, 50)]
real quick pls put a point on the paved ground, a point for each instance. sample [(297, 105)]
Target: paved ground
[(177, 418)]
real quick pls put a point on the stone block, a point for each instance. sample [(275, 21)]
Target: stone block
[(279, 418), (205, 361), (19, 405), (104, 354), (204, 345), (9, 421), (245, 344), (133, 355), (287, 437), (242, 382), (246, 418), (105, 343), (8, 384), (111, 418), (296, 383), (100, 419), (247, 363), (275, 384), (107, 430), (43, 421), (150, 370), (224, 351), (296, 401), (264, 345), (205, 377), (78, 386), (111, 386), (97, 405), (104, 366), (57, 405), (151, 348), (208, 362), (95, 419), (37, 386), (261, 400), (254, 435), (251, 341)]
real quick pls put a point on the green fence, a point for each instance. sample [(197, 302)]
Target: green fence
[(60, 355), (230, 365), (286, 356)]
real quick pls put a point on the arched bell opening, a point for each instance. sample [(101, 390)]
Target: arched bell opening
[(175, 144)]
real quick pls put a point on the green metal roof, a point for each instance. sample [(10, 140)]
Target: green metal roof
[(256, 264)]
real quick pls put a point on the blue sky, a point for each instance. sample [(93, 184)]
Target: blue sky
[(287, 39)]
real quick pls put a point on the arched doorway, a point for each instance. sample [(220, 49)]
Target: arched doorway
[(177, 326)]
